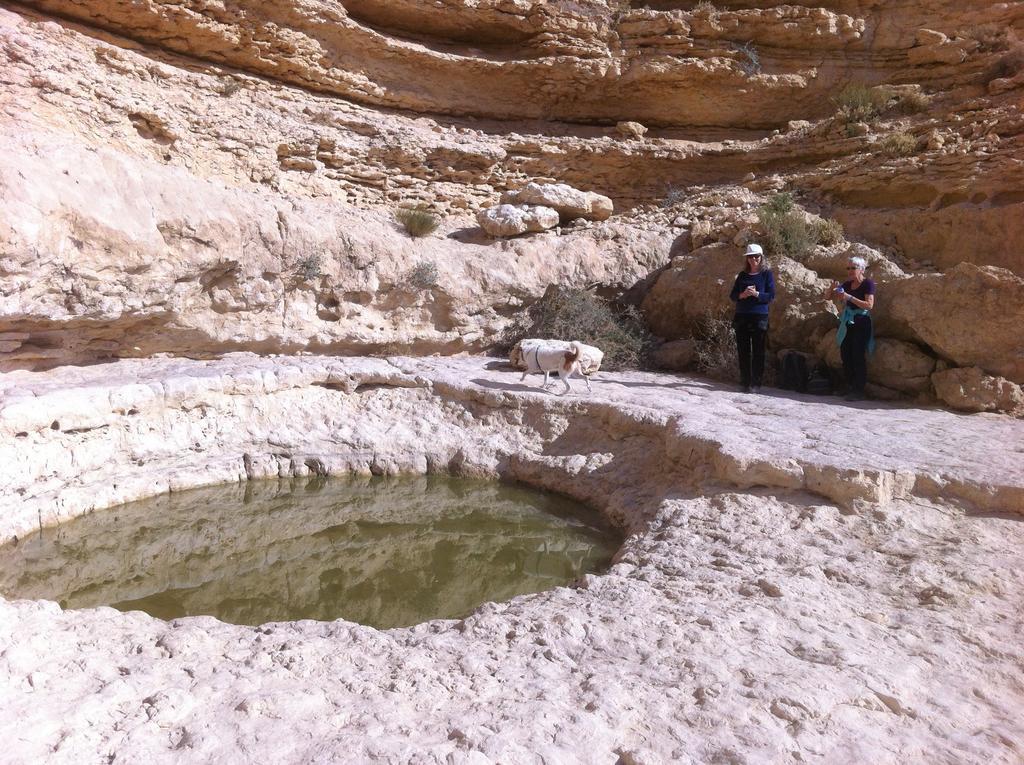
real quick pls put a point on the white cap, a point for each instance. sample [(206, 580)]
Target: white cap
[(753, 249)]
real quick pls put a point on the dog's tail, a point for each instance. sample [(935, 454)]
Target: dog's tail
[(571, 357)]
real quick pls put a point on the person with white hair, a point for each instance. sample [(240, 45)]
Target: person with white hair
[(752, 291), (855, 298)]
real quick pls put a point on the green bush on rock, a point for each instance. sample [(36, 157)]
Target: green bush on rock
[(575, 314)]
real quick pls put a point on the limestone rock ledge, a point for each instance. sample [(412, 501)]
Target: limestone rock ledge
[(783, 590), (105, 256), (79, 439)]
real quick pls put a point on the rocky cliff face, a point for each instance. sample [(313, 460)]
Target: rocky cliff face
[(194, 177)]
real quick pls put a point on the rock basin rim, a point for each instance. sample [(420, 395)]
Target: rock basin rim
[(106, 406), (782, 587)]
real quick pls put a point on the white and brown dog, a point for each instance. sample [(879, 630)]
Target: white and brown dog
[(556, 356)]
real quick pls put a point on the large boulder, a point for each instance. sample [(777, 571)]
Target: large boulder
[(675, 355), (971, 390), (512, 220), (694, 286), (629, 129), (895, 365), (900, 366), (800, 315), (971, 315), (831, 262), (571, 203)]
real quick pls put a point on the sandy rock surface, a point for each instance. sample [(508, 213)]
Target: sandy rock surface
[(802, 580)]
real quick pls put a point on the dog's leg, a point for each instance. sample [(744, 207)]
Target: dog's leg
[(564, 377), (578, 370), (546, 383), (521, 379)]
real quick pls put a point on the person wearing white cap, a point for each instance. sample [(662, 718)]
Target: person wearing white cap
[(752, 292)]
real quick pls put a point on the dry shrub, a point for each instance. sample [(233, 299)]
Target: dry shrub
[(990, 37), (857, 102), (704, 8), (912, 103), (786, 230), (423, 276), (899, 144), (571, 314), (749, 59), (828, 232), (674, 195), (710, 199), (417, 221), (715, 348), (309, 268), (229, 87)]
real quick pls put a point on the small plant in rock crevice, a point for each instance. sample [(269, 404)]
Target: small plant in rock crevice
[(828, 231), (786, 230), (749, 59), (309, 268), (417, 222), (990, 37), (423, 276), (857, 102), (912, 103), (229, 87), (704, 8), (898, 144), (674, 195)]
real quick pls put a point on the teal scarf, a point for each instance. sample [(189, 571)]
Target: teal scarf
[(846, 319)]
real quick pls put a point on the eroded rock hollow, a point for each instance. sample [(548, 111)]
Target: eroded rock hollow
[(772, 599)]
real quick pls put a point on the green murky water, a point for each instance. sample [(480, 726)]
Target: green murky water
[(385, 552)]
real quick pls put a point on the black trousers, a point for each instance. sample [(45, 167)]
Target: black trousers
[(854, 352), (751, 336)]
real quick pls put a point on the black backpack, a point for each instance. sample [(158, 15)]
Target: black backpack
[(819, 384), (794, 372)]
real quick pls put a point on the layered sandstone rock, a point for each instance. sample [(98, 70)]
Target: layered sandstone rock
[(219, 195), (199, 267)]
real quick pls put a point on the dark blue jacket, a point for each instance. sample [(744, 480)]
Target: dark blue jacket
[(764, 283)]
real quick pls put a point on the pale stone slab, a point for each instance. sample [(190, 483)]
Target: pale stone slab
[(799, 577)]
